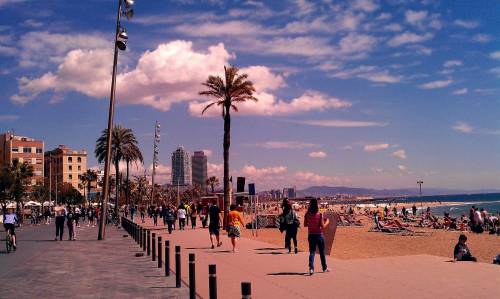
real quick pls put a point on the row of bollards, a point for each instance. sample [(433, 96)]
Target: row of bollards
[(153, 246)]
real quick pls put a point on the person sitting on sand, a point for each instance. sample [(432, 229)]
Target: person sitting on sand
[(462, 252)]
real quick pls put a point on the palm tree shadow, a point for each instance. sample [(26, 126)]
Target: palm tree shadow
[(277, 248), (289, 274), (271, 252)]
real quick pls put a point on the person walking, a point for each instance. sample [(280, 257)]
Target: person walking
[(163, 214), (46, 214), (70, 216), (132, 212), (169, 218), (214, 223), (193, 215), (143, 213), (234, 222), (181, 215), (77, 216), (155, 213), (315, 223), (292, 224), (60, 212)]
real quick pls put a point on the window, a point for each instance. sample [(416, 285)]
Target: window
[(79, 167), (27, 150), (70, 167), (70, 159), (79, 160), (15, 150), (38, 150), (70, 176)]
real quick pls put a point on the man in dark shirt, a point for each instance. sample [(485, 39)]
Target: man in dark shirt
[(214, 224), (462, 252)]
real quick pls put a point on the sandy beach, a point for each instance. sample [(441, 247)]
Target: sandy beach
[(358, 242)]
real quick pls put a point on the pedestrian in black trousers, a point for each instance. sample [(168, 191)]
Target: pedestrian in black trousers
[(60, 217)]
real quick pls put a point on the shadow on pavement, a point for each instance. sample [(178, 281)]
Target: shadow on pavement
[(272, 252), (278, 248), (194, 248), (220, 251), (289, 273)]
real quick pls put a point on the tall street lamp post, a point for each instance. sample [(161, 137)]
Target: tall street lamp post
[(121, 38)]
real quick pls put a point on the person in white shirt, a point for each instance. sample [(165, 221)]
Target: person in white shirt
[(181, 214)]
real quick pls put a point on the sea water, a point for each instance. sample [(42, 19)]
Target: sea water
[(490, 202)]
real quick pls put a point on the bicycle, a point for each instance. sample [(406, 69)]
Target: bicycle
[(9, 243)]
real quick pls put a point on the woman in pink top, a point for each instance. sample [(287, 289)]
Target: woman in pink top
[(315, 223)]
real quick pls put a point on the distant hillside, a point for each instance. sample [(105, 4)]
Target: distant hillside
[(320, 191)]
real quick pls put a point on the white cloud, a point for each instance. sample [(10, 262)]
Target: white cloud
[(466, 24), (436, 84), (415, 17), (460, 91), (169, 74), (365, 5), (463, 127), (495, 55), (227, 28), (452, 63), (215, 169), (254, 172), (6, 2), (319, 155), (367, 72), (208, 152), (308, 178), (422, 19), (402, 168), (8, 51), (375, 147), (268, 105), (383, 16), (401, 154), (286, 145), (495, 71), (305, 7), (357, 43), (42, 48), (393, 27), (339, 123), (482, 38), (8, 117), (409, 38)]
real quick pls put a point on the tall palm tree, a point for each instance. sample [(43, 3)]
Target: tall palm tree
[(87, 178), (121, 140), (131, 154), (213, 182), (227, 92)]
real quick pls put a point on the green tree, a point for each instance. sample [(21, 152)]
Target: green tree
[(227, 93), (132, 154), (213, 182), (121, 141), (21, 174), (40, 193), (87, 178), (70, 195)]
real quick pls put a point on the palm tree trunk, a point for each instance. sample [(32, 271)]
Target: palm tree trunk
[(117, 185), (227, 143), (127, 191)]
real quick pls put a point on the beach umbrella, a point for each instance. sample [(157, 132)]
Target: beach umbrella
[(46, 204), (32, 204)]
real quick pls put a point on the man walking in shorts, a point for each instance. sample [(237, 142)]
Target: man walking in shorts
[(214, 224)]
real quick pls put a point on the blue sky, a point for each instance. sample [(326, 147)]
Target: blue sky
[(356, 93)]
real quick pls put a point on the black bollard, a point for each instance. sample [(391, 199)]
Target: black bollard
[(192, 277), (159, 252), (153, 244), (177, 266), (143, 239), (167, 258), (212, 281), (246, 290), (148, 248)]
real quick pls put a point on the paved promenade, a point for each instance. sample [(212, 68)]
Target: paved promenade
[(86, 268), (276, 274)]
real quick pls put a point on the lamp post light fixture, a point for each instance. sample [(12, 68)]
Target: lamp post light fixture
[(155, 159), (121, 38)]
